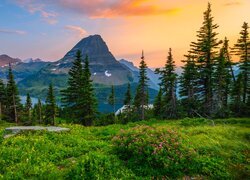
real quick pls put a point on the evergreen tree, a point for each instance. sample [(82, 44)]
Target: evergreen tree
[(39, 111), (189, 90), (141, 93), (158, 104), (72, 94), (204, 50), (28, 106), (79, 99), (242, 48), (13, 99), (128, 97), (111, 98), (237, 95), (88, 102), (2, 98), (223, 80), (168, 82), (50, 106)]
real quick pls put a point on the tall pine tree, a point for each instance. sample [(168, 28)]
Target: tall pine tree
[(204, 50), (13, 99), (2, 98), (88, 102), (242, 48), (28, 106), (128, 97), (168, 82), (72, 94), (223, 77), (140, 100), (50, 106), (189, 90), (158, 104)]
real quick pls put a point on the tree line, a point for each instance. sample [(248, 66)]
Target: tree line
[(208, 87)]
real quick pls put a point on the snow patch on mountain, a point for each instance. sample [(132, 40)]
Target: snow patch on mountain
[(107, 73)]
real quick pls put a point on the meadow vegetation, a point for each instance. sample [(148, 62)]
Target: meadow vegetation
[(169, 149)]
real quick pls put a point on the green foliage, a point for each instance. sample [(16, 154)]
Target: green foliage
[(50, 107), (111, 98), (141, 96), (242, 49), (221, 151), (168, 82), (99, 166), (13, 103), (205, 52), (78, 98), (189, 87), (159, 152)]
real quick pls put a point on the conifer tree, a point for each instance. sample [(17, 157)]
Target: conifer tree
[(237, 95), (79, 97), (111, 98), (2, 98), (158, 104), (72, 94), (28, 106), (88, 102), (189, 90), (39, 111), (13, 99), (128, 97), (168, 82), (140, 100), (222, 77), (242, 48), (50, 106), (204, 50)]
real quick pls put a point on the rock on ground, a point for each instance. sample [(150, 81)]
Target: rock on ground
[(10, 131)]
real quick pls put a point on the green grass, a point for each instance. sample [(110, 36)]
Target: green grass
[(221, 151)]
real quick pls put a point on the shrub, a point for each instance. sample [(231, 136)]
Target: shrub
[(95, 165), (154, 152)]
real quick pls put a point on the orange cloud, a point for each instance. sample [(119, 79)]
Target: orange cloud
[(79, 30), (100, 8)]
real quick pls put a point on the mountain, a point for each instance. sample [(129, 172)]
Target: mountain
[(20, 68), (104, 67), (31, 60), (5, 60), (105, 70), (153, 78)]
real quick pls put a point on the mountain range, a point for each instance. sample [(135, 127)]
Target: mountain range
[(34, 75)]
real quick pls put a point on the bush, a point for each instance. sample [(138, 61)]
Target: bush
[(98, 166), (154, 152)]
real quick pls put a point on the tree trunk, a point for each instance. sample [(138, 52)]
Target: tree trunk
[(15, 111)]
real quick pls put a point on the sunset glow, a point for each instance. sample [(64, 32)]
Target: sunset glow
[(48, 29)]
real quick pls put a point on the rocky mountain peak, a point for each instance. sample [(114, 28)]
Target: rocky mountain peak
[(5, 60)]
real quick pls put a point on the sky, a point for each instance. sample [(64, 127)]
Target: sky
[(48, 29)]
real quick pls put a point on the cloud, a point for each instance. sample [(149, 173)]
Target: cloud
[(77, 29), (36, 7), (233, 3), (18, 32), (118, 8), (101, 8)]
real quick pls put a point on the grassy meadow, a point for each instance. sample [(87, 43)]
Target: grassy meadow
[(141, 150)]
